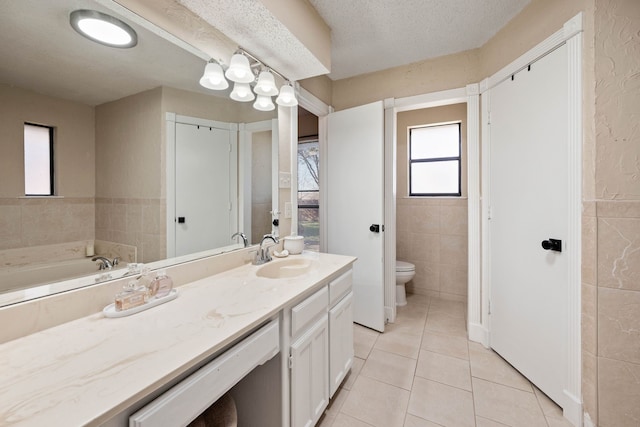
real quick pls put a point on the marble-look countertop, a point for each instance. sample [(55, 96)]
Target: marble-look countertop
[(86, 371)]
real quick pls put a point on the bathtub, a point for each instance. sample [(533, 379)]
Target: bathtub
[(26, 276)]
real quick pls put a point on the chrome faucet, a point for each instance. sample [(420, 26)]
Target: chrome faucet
[(244, 238), (105, 263), (263, 255)]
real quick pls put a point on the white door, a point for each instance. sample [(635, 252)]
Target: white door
[(529, 190), (355, 204), (203, 188)]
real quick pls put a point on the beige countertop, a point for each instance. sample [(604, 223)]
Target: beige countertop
[(86, 371)]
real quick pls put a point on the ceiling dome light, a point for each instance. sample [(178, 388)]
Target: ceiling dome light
[(239, 70), (103, 28), (266, 84), (287, 97), (242, 92), (213, 77), (264, 103)]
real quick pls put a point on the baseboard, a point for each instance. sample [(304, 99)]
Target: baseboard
[(572, 410), (479, 333), (389, 315)]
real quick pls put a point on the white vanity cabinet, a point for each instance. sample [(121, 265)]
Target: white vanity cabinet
[(340, 330), (309, 359), (321, 349)]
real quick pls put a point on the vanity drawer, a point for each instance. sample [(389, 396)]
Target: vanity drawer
[(340, 287), (184, 402), (308, 310)]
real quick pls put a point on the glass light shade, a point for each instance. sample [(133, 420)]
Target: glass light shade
[(264, 103), (103, 28), (242, 92), (287, 97), (239, 70), (213, 77), (266, 84)]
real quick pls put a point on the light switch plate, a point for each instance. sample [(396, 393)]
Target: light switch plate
[(287, 209), (284, 180)]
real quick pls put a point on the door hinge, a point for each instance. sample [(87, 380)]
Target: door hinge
[(489, 306), (489, 118), (229, 205), (489, 213), (229, 147), (290, 362)]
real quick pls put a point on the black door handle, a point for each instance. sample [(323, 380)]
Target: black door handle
[(552, 245), (181, 220), (374, 228)]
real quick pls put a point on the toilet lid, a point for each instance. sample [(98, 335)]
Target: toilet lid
[(404, 266)]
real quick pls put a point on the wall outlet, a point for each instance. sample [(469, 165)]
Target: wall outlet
[(287, 209), (284, 180)]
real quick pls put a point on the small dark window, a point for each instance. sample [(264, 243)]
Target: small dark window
[(38, 160), (434, 160)]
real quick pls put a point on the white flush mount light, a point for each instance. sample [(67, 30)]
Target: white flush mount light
[(103, 28), (213, 77), (242, 92), (287, 97)]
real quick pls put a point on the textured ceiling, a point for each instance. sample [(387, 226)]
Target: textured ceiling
[(372, 35), (41, 51), (250, 24)]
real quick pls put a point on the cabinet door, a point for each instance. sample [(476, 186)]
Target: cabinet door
[(310, 375), (340, 342)]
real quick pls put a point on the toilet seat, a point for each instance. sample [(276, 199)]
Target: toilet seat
[(402, 266)]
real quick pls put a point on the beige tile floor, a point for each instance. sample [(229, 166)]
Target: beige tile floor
[(423, 372)]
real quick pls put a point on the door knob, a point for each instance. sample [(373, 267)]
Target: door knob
[(374, 228), (552, 245)]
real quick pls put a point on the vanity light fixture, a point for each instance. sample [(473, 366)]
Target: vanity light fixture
[(287, 97), (241, 72), (213, 77), (242, 92), (266, 84), (264, 103), (102, 28)]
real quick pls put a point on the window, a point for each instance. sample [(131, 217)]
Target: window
[(38, 160), (434, 160), (308, 193)]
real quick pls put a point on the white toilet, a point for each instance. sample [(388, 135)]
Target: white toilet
[(404, 273)]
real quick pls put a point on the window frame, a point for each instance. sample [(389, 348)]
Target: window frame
[(412, 161), (51, 162)]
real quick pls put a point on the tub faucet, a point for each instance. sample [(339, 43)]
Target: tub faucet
[(263, 255), (105, 263), (244, 238)]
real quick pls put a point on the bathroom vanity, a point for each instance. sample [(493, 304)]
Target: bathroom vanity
[(165, 365)]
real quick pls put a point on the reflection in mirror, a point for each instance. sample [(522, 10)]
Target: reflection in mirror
[(108, 110)]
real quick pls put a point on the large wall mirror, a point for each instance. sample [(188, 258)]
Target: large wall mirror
[(109, 111)]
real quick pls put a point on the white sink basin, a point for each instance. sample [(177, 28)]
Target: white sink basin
[(286, 268)]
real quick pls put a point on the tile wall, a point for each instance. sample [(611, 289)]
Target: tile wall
[(136, 222), (611, 224), (432, 234), (27, 222)]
